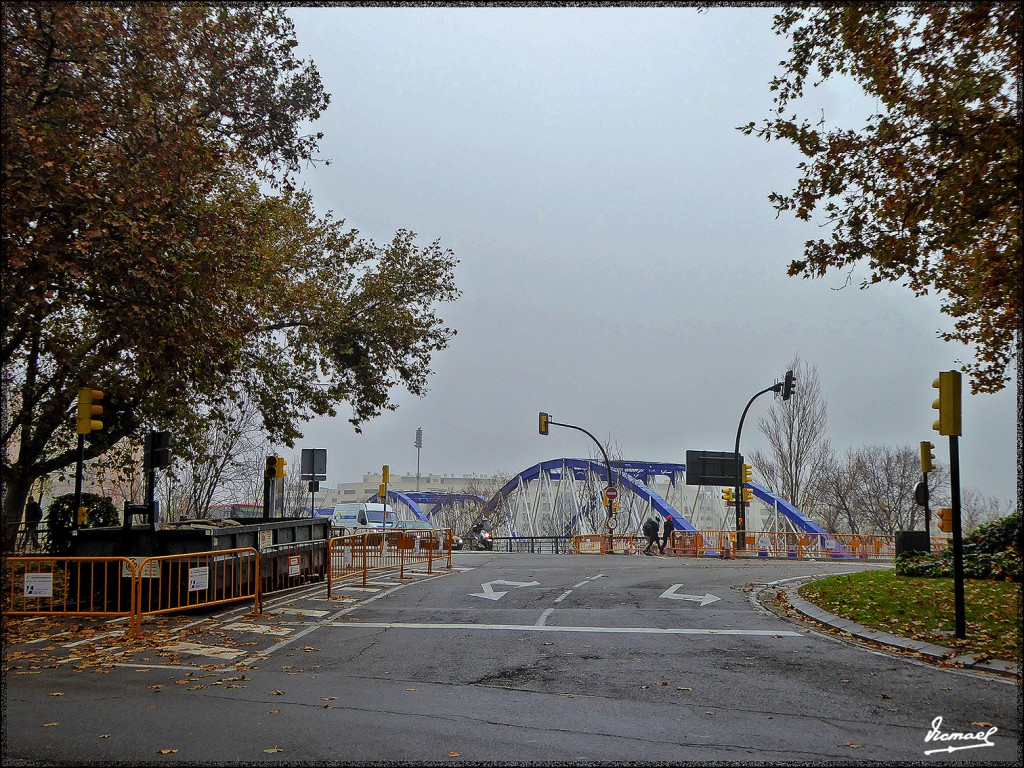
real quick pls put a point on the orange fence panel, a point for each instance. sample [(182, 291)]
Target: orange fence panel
[(171, 583), (359, 553), (80, 586)]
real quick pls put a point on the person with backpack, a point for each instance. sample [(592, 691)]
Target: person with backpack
[(666, 536), (650, 531)]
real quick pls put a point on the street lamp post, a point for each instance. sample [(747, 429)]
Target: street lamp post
[(545, 420), (786, 388)]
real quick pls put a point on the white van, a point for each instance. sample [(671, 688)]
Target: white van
[(356, 517)]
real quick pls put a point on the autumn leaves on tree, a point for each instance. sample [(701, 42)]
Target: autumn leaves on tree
[(156, 244), (928, 192)]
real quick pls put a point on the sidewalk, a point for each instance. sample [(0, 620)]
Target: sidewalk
[(859, 631)]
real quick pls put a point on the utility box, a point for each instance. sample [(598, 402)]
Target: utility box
[(912, 541)]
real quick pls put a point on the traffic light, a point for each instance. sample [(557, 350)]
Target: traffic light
[(948, 403), (727, 495), (544, 422), (748, 495), (385, 473), (748, 473), (382, 491), (945, 523), (787, 386), (89, 405), (279, 467), (272, 466), (927, 457)]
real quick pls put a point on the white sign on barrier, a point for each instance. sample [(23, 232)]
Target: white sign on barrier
[(38, 585), (266, 539), (198, 579), (293, 565), (151, 571)]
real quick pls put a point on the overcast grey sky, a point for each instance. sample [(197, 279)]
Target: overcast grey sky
[(620, 264)]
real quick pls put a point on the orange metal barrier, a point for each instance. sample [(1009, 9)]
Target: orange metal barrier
[(198, 579), (774, 544), (283, 566), (782, 544), (360, 553), (79, 586)]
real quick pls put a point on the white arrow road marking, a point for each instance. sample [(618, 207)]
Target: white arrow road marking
[(490, 594), (671, 594)]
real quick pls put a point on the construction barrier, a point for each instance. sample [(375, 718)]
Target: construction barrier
[(171, 583), (130, 586), (765, 544), (72, 586), (283, 566), (359, 553)]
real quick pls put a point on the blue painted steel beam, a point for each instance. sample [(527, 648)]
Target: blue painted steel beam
[(623, 471)]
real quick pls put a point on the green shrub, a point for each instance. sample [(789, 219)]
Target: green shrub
[(991, 551), (100, 512)]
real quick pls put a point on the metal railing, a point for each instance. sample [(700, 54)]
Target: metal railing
[(550, 545), (130, 586), (283, 566), (73, 586), (359, 553)]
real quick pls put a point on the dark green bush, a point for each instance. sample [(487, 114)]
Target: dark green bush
[(991, 551), (100, 512)]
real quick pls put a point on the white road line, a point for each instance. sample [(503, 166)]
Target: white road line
[(543, 617), (545, 628), (564, 595)]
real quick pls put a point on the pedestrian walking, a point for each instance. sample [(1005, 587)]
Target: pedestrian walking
[(666, 536), (33, 515), (650, 531)]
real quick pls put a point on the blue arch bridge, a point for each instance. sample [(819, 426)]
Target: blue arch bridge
[(563, 497)]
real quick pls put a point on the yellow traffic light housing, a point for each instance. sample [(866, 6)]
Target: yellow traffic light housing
[(748, 473), (727, 495), (945, 523), (948, 403), (544, 422), (89, 405), (279, 468), (748, 495), (927, 457)]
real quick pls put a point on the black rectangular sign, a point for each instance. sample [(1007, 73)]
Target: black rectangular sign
[(713, 467)]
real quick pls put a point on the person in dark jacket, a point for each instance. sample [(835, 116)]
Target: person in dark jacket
[(666, 536), (650, 531), (33, 514)]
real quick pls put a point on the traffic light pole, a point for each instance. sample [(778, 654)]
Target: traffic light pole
[(958, 544), (611, 479), (741, 521), (78, 481), (927, 512)]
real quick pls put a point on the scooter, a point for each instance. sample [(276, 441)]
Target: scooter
[(482, 536)]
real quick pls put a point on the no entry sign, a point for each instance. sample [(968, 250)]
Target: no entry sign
[(611, 493)]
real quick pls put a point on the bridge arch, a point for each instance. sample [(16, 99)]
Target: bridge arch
[(563, 497)]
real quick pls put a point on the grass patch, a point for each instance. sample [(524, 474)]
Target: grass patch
[(923, 609)]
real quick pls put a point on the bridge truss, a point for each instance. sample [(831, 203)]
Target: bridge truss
[(563, 497)]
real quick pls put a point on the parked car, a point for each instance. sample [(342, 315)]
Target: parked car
[(421, 530)]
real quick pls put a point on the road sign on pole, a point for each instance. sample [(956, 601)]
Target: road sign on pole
[(611, 493)]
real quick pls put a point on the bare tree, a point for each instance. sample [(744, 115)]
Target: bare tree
[(222, 464), (871, 490), (976, 509), (796, 431)]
